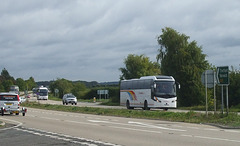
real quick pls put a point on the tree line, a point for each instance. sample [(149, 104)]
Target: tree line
[(79, 89), (6, 80)]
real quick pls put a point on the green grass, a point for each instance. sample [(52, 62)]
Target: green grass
[(232, 120), (51, 97)]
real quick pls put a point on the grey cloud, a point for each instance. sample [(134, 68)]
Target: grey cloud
[(89, 39)]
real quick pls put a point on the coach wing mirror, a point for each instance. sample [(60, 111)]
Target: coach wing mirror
[(154, 86), (178, 85)]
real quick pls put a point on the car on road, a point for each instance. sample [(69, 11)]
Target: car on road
[(22, 99), (69, 98), (10, 103)]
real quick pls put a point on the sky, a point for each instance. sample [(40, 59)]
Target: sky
[(88, 40)]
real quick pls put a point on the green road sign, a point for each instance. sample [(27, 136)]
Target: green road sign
[(222, 75)]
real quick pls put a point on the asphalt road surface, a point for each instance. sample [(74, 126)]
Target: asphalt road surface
[(63, 128), (29, 137)]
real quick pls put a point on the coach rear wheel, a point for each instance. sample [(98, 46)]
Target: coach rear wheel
[(146, 106), (128, 105)]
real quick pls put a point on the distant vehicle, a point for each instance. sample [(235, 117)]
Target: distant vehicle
[(69, 98), (149, 92), (34, 92), (42, 93), (14, 89), (10, 103), (22, 99)]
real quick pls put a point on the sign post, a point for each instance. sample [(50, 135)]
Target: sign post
[(56, 92), (206, 93), (100, 92), (208, 80), (223, 80)]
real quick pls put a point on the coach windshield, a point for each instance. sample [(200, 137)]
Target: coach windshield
[(165, 89)]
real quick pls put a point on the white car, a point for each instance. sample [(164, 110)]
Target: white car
[(22, 99), (69, 98), (10, 103)]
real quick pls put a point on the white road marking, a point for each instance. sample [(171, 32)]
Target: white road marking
[(18, 124), (153, 126), (209, 129), (193, 127), (132, 129), (232, 131), (211, 138), (63, 137)]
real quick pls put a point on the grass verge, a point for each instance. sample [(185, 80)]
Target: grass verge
[(230, 121)]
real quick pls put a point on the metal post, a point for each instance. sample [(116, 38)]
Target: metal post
[(227, 99), (214, 94), (105, 94), (206, 93), (222, 101)]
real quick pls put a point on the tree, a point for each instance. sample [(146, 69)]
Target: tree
[(1, 87), (6, 75), (31, 83), (21, 84), (234, 87), (64, 86), (185, 62), (138, 66), (78, 90), (6, 84)]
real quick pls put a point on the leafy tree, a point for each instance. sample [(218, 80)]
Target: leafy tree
[(31, 83), (78, 90), (21, 84), (64, 86), (138, 66), (6, 84), (185, 62), (1, 87), (6, 75), (234, 87)]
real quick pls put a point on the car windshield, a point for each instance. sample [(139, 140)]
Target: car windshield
[(9, 97), (165, 88), (71, 96)]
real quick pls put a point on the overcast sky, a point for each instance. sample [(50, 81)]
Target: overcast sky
[(89, 39)]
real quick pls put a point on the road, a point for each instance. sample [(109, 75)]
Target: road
[(90, 104), (84, 129)]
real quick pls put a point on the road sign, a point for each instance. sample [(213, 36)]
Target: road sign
[(222, 75), (102, 91), (209, 75), (56, 90)]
